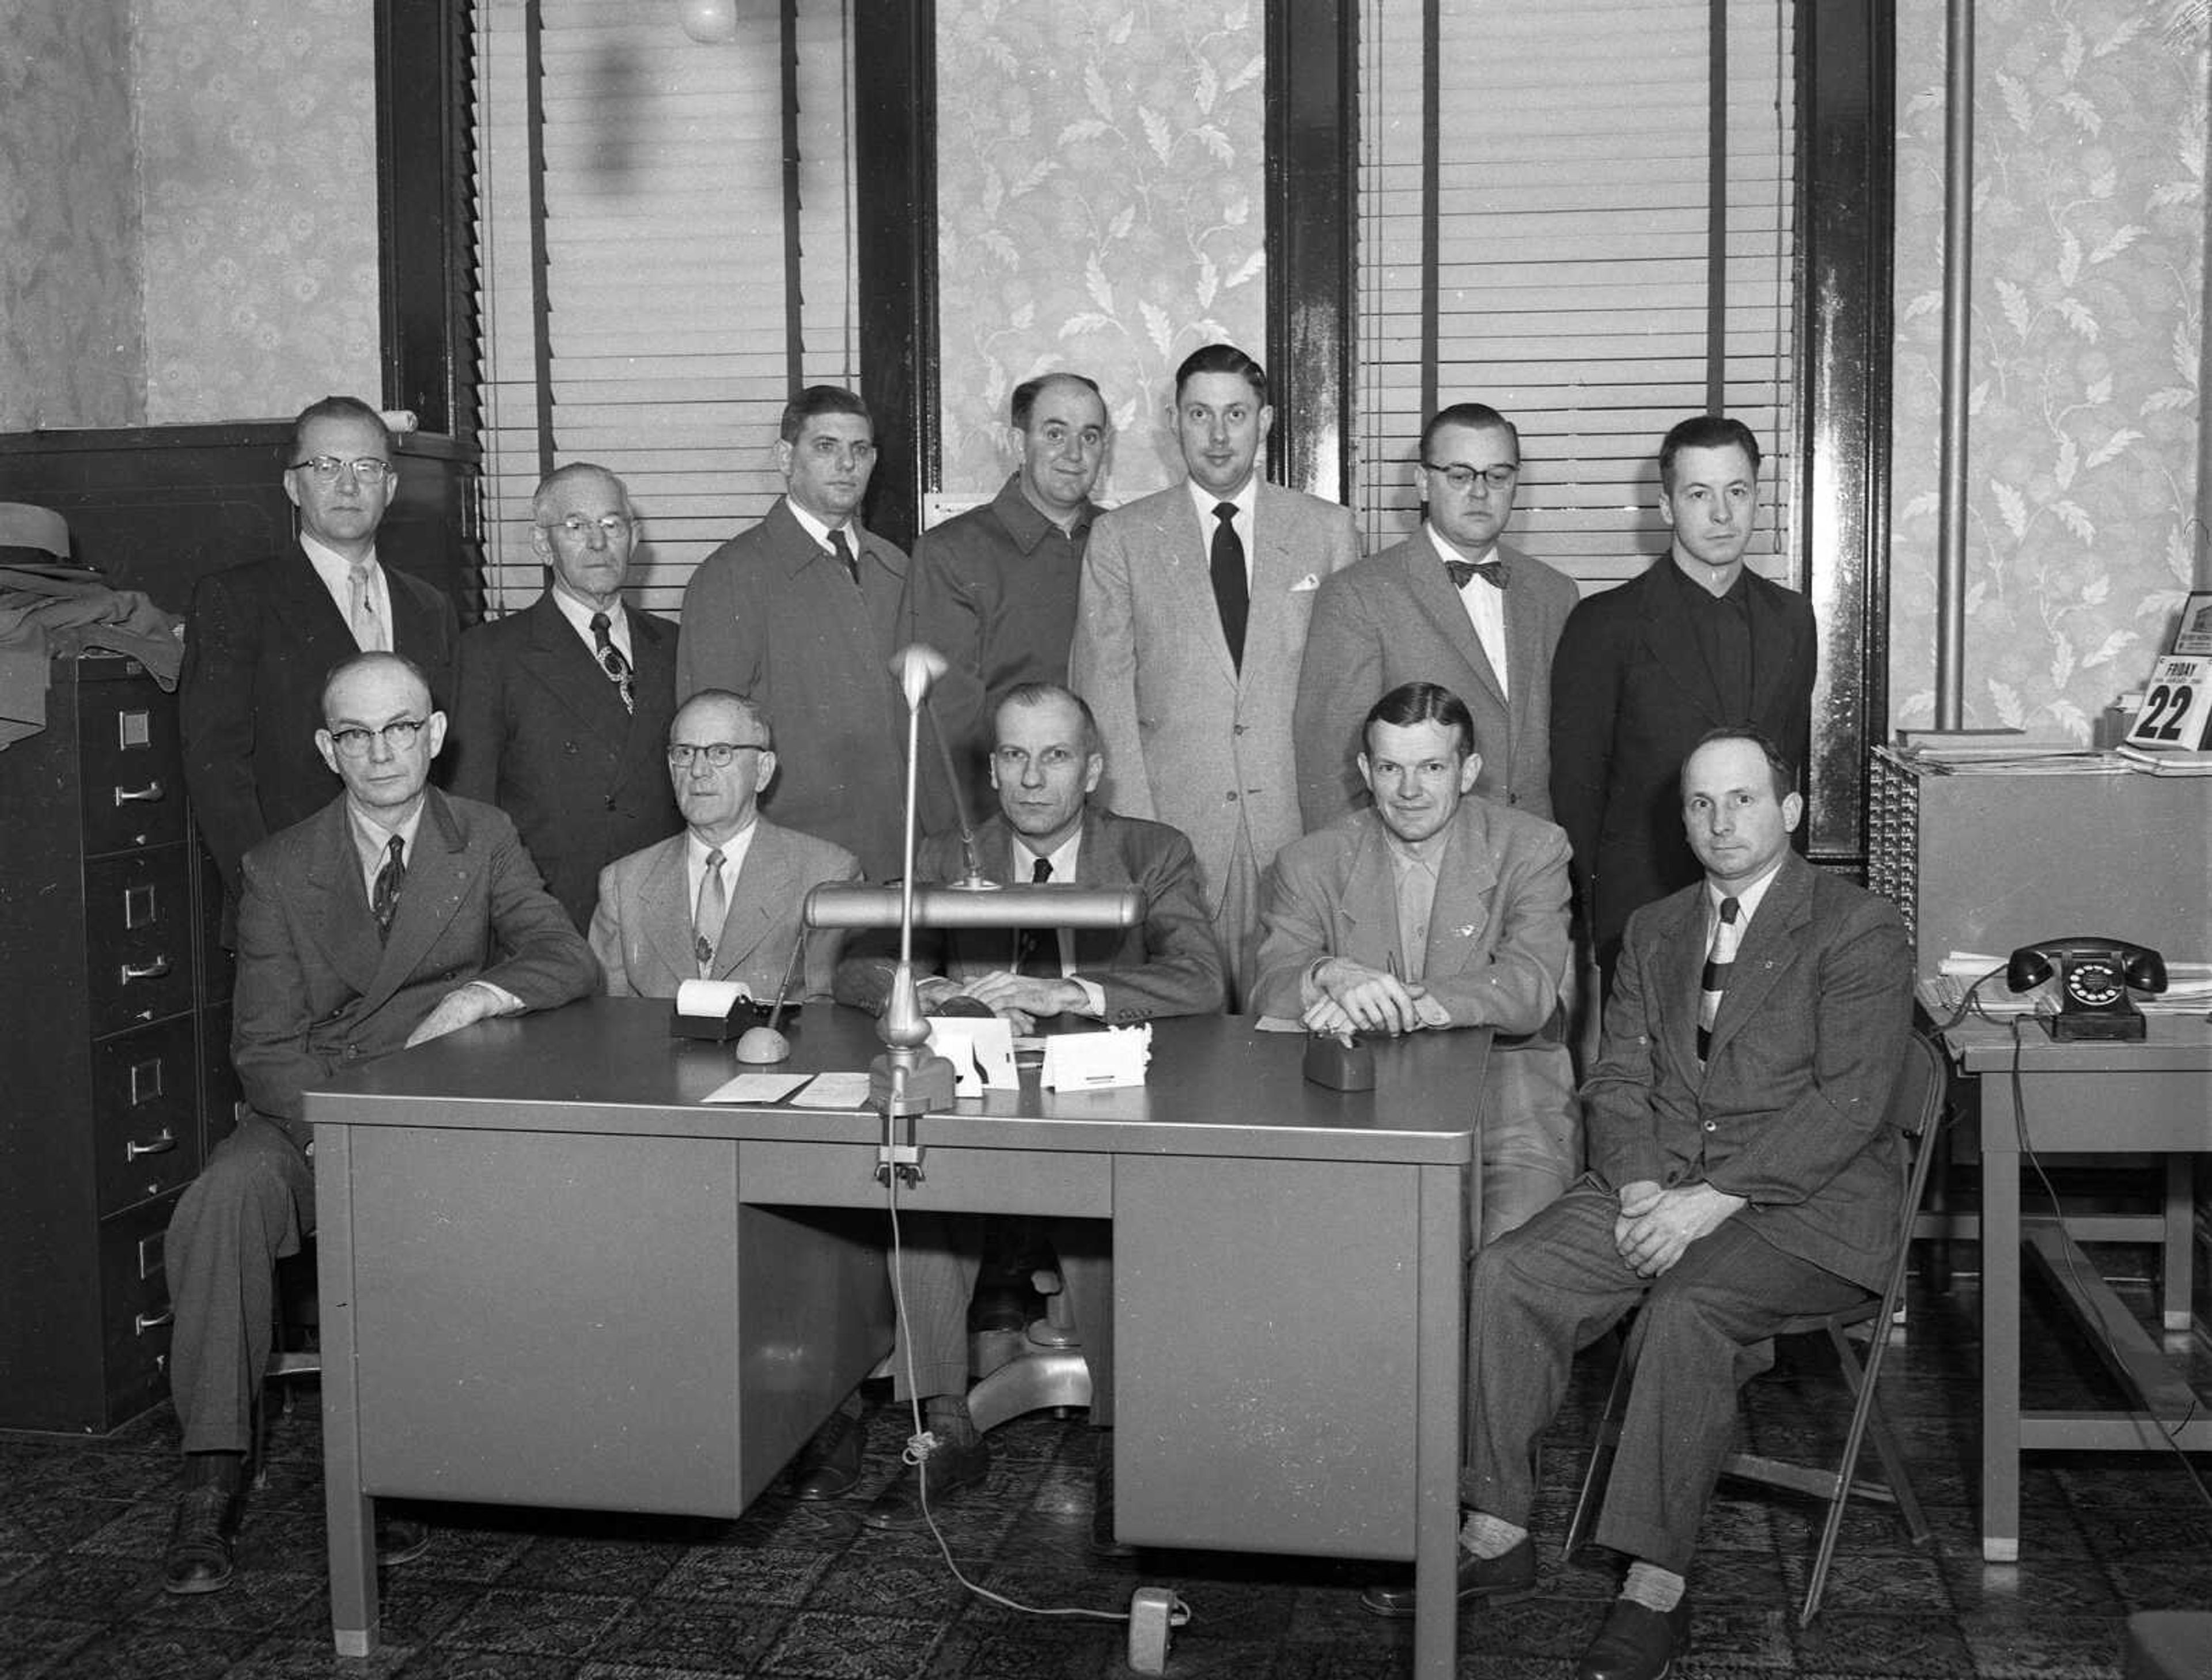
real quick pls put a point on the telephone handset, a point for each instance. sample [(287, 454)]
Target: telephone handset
[(2094, 976)]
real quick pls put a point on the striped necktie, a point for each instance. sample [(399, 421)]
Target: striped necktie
[(1720, 956)]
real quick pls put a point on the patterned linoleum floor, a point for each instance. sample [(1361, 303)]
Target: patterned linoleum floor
[(794, 1590)]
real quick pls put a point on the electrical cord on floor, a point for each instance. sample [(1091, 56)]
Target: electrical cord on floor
[(2171, 1435), (923, 1442)]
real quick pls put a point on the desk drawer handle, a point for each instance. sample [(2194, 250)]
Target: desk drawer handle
[(160, 1146), (160, 1320), (153, 971), (152, 791)]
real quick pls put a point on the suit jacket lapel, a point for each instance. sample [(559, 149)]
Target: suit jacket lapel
[(1770, 947), (1667, 632), (558, 658), (1098, 862), (1369, 906), (1770, 643), (1680, 977), (765, 883), (1430, 585), (339, 900), (665, 910), (304, 605), (1458, 916), (436, 873), (1525, 654), (1187, 544)]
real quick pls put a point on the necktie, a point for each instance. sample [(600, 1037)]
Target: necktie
[(384, 896), (1029, 955), (845, 554), (367, 633), (706, 916), (1720, 956), (1232, 596), (1491, 571), (612, 662)]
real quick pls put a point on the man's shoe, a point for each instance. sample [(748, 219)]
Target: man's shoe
[(400, 1540), (1498, 1578), (198, 1558), (1637, 1642), (1103, 1543), (828, 1465), (948, 1470)]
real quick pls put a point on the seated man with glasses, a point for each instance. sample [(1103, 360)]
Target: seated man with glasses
[(393, 916), (722, 899), (563, 707)]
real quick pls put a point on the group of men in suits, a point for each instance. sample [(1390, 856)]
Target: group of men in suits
[(1180, 694)]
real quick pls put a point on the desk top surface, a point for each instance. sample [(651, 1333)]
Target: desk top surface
[(1216, 1086), (2178, 1043)]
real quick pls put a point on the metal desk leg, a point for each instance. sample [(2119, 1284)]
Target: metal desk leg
[(349, 1512), (2000, 1338), (2180, 1229), (1436, 1430)]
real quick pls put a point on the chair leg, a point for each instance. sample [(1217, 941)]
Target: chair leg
[(1603, 1446), (1866, 1416)]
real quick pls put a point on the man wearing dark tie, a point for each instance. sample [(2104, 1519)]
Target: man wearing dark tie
[(801, 613), (1454, 605), (393, 916), (1741, 1172), (563, 708)]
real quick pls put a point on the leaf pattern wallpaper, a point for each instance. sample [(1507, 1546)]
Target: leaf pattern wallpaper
[(2090, 224), (1099, 173)]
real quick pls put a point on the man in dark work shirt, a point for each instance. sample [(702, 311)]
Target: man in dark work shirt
[(1697, 642)]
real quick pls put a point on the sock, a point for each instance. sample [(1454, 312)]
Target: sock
[(1653, 1588), (226, 1470), (948, 1419), (1487, 1536)]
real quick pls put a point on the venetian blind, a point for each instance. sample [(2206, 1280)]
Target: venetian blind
[(672, 252), (1540, 230)]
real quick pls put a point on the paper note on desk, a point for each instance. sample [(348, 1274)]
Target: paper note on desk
[(1096, 1061), (981, 1049), (835, 1091), (755, 1088)]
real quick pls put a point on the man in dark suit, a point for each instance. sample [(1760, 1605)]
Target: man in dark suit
[(1696, 642), (723, 899), (1046, 762), (1741, 1172), (1451, 605), (393, 916), (801, 613), (1189, 631), (1438, 908), (563, 709), (263, 636)]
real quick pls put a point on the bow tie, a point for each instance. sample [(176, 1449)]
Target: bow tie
[(1491, 572)]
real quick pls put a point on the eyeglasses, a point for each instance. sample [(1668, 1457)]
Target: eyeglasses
[(325, 469), (1013, 760), (1462, 477), (613, 527), (717, 753), (353, 741)]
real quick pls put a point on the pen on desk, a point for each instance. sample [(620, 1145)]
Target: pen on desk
[(783, 986)]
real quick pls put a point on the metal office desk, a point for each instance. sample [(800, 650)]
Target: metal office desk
[(2153, 1098), (550, 1275)]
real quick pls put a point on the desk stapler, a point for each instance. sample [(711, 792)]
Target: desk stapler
[(1335, 1063)]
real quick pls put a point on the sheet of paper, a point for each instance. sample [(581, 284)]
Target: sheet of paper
[(712, 999), (835, 1091), (982, 1052), (757, 1088), (1096, 1061)]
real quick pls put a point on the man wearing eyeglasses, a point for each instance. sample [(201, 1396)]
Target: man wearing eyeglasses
[(801, 613), (393, 916), (564, 707), (1452, 605), (262, 636), (722, 899)]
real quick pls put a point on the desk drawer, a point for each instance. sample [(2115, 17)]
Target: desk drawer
[(132, 766), (145, 1112), (982, 1181), (138, 938)]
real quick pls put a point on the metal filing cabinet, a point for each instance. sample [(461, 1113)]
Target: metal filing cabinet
[(109, 1065)]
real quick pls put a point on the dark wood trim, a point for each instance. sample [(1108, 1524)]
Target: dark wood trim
[(794, 293), (1846, 91), (1311, 165), (895, 171)]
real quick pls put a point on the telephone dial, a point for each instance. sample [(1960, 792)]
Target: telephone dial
[(2094, 976)]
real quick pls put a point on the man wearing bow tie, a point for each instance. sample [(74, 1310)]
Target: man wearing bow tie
[(563, 707), (1451, 605)]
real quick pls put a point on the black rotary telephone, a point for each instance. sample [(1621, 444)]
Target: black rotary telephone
[(2094, 976)]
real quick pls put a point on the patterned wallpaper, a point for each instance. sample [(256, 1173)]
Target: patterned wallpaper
[(1099, 194), (258, 146), (71, 350), (2089, 225)]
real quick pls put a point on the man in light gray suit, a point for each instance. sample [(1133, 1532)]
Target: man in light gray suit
[(1189, 631), (1452, 605)]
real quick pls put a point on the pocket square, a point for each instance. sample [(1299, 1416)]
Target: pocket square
[(1310, 581)]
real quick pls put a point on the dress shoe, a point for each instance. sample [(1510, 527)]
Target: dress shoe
[(198, 1558), (400, 1540), (949, 1470), (1103, 1544), (828, 1465), (1637, 1642), (1499, 1578)]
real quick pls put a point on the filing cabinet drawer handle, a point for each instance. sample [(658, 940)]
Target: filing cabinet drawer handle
[(160, 1146), (146, 795), (153, 971), (157, 1321)]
